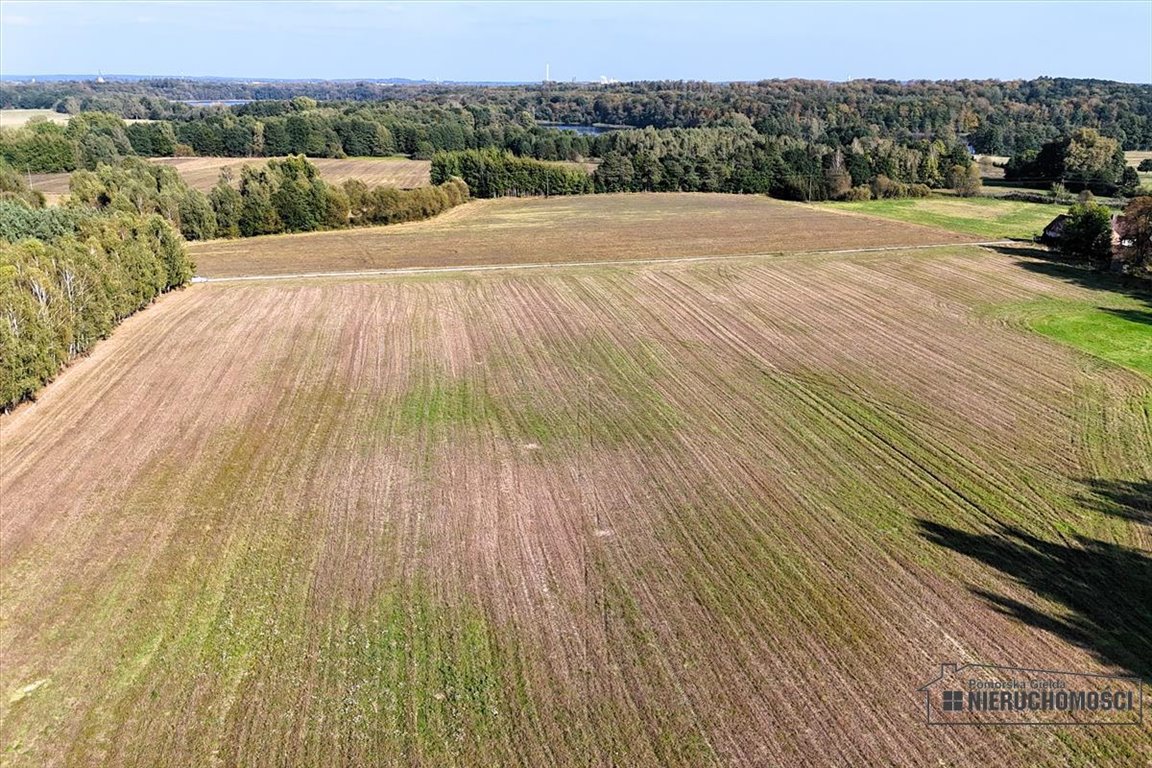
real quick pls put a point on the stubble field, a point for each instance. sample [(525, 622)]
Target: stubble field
[(590, 228), (726, 512), (202, 173)]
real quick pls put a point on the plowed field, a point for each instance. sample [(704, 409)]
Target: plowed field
[(569, 229), (712, 513)]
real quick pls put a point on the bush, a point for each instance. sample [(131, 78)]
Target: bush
[(13, 186), (857, 194), (1145, 165), (19, 222)]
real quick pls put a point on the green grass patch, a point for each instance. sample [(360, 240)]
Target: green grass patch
[(1117, 329), (986, 217)]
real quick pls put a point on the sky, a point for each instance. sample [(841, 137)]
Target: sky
[(513, 41)]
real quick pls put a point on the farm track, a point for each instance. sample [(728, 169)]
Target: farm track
[(649, 514)]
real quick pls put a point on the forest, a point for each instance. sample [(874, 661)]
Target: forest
[(798, 140), (995, 117)]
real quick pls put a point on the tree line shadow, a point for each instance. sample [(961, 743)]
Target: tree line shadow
[(1105, 588), (1042, 261)]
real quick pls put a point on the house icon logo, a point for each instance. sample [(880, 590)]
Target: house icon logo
[(985, 694)]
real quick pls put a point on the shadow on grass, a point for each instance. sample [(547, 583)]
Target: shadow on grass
[(1131, 315), (1131, 500), (1105, 588)]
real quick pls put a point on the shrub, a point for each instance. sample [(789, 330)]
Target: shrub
[(857, 194)]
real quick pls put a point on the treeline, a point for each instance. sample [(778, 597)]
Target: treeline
[(724, 160), (275, 129), (995, 117), (492, 173), (1082, 160), (66, 279), (289, 196), (280, 196), (86, 141), (743, 160)]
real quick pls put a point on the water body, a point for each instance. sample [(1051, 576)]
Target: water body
[(584, 130), (215, 102)]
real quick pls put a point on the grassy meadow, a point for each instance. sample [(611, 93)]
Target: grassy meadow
[(983, 217)]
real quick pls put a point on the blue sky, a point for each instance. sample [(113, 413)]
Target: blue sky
[(623, 40)]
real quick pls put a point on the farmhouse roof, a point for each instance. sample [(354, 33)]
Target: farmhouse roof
[(1055, 228)]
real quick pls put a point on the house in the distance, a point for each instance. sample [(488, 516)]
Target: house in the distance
[(1122, 242), (1054, 231)]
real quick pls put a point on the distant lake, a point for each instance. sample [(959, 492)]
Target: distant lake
[(215, 102), (584, 130)]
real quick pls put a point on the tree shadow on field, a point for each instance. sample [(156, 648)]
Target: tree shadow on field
[(1105, 588), (1041, 261), (1131, 315), (1131, 500)]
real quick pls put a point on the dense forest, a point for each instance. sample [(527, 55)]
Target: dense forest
[(795, 139), (994, 117)]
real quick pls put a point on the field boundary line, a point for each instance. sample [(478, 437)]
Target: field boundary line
[(402, 271)]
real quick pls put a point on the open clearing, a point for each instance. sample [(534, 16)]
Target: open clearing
[(1136, 155), (567, 229), (15, 118), (729, 512), (202, 173), (988, 218)]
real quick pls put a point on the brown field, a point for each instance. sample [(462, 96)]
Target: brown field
[(1135, 156), (725, 512), (17, 118), (202, 172), (51, 184), (567, 229), (989, 165)]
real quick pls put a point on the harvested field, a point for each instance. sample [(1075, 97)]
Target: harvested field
[(652, 515), (991, 166), (16, 118), (203, 172), (52, 185), (567, 229), (1135, 156)]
